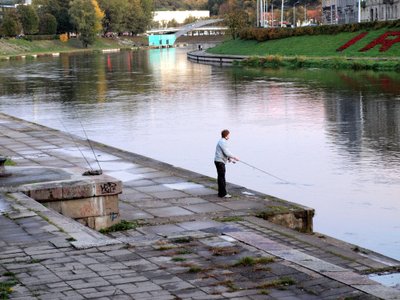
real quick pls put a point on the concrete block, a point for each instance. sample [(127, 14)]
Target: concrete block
[(46, 193), (54, 205), (98, 223), (110, 204), (90, 207), (110, 187), (78, 190), (81, 208)]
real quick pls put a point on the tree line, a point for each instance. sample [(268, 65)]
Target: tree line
[(91, 17), (86, 17)]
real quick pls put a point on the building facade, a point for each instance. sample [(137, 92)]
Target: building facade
[(346, 11), (164, 17)]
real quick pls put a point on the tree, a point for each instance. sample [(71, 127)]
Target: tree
[(64, 22), (59, 9), (189, 20), (235, 17), (115, 15), (134, 17), (172, 23), (147, 15), (213, 6), (99, 15), (140, 15), (28, 18), (47, 24), (86, 15), (10, 25)]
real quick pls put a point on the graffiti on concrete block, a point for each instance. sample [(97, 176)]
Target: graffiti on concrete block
[(114, 216), (108, 188)]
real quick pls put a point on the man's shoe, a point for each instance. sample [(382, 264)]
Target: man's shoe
[(227, 196)]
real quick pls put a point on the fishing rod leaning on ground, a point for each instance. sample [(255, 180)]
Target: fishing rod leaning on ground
[(76, 145), (91, 172)]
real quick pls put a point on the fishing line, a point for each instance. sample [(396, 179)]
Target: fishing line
[(90, 145), (265, 172), (76, 144)]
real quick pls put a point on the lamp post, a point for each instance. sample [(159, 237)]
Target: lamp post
[(282, 13), (262, 11), (294, 14), (305, 13)]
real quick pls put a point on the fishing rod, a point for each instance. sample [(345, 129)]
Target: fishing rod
[(76, 144), (265, 172), (92, 172)]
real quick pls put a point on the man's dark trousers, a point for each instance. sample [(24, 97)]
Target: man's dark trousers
[(221, 178)]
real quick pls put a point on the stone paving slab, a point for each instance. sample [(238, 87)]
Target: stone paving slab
[(189, 243)]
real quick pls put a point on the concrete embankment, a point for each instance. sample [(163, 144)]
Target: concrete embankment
[(202, 56), (186, 242)]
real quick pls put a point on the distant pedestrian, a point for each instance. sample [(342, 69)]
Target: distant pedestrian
[(222, 156)]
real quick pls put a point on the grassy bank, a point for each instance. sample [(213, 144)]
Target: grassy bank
[(17, 47), (310, 46), (296, 62), (315, 51)]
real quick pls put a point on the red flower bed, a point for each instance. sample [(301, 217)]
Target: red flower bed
[(386, 41), (352, 41)]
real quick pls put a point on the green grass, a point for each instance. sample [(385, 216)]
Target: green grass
[(278, 283), (276, 62), (309, 46), (6, 285), (230, 285), (121, 226), (229, 219), (178, 259), (163, 248), (18, 47), (224, 251), (182, 240), (251, 261), (10, 162), (194, 269), (183, 251)]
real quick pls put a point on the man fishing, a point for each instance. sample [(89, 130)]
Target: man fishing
[(223, 155)]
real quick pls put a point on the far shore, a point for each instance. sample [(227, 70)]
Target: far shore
[(13, 48)]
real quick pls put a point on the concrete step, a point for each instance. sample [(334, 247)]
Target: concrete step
[(82, 237)]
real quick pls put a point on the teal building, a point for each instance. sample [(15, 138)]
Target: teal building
[(162, 40)]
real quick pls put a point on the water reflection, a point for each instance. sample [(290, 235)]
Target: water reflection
[(360, 108), (334, 133)]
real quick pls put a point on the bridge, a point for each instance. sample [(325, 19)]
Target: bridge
[(168, 36)]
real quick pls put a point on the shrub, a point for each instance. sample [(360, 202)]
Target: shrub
[(64, 37), (41, 37), (264, 34)]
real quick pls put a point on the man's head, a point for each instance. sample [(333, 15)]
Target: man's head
[(225, 133)]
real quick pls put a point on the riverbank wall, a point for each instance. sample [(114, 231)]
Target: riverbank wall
[(201, 56), (295, 62)]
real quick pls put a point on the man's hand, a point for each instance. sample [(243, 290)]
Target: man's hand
[(233, 159)]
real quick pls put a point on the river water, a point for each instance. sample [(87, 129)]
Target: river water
[(334, 135)]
